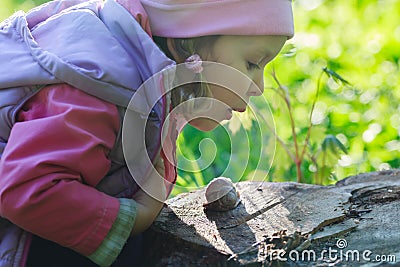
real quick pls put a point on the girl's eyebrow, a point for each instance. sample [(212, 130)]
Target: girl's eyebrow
[(264, 52), (266, 55)]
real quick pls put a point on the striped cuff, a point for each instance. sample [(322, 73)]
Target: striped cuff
[(119, 233)]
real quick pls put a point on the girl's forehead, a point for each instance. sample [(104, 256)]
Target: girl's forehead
[(259, 43)]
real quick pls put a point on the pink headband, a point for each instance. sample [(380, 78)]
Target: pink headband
[(193, 18)]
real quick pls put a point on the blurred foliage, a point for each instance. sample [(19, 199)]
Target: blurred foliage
[(10, 6), (358, 40)]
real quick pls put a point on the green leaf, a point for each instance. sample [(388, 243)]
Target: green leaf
[(332, 143), (334, 75), (289, 50)]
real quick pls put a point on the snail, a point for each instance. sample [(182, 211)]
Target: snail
[(221, 195)]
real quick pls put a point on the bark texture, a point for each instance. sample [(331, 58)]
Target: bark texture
[(278, 221)]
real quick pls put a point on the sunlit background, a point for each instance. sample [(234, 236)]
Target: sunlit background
[(355, 125)]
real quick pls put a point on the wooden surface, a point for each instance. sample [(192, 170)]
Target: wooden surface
[(365, 210)]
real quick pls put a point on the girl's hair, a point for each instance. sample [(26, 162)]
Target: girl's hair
[(185, 47)]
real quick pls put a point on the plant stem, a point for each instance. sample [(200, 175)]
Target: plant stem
[(297, 159), (314, 161), (311, 114), (323, 167), (279, 139)]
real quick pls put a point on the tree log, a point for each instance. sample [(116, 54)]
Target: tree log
[(284, 224)]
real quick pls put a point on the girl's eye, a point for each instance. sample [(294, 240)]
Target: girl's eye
[(252, 66)]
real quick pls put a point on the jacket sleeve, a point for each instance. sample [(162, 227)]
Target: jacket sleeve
[(56, 154)]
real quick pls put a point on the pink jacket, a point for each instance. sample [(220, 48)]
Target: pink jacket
[(56, 154), (62, 152)]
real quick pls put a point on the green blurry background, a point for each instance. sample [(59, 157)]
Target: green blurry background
[(357, 39)]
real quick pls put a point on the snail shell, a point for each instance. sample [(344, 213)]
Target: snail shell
[(221, 195)]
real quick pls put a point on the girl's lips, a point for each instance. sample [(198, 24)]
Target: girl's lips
[(239, 109), (229, 111)]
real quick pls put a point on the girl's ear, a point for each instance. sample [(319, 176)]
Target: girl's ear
[(174, 52)]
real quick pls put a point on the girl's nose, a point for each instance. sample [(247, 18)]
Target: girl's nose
[(257, 86)]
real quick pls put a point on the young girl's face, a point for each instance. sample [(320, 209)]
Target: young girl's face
[(248, 54)]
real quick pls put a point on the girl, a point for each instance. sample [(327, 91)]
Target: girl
[(90, 110)]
